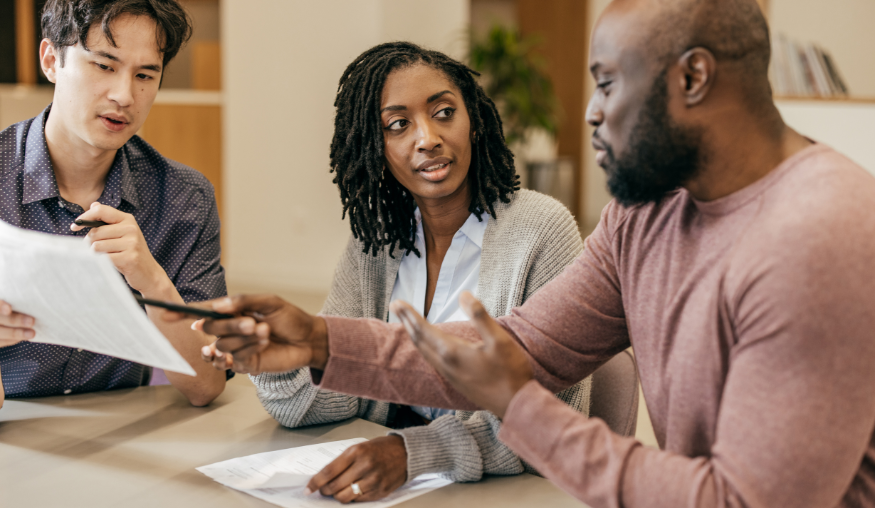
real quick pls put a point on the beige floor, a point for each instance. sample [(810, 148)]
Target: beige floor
[(312, 302)]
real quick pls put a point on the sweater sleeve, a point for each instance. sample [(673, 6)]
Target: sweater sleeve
[(465, 446), (290, 397)]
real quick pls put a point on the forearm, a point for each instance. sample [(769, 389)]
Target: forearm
[(293, 401), (374, 359), (209, 382), (460, 449)]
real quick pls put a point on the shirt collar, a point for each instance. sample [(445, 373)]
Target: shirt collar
[(39, 174), (473, 228)]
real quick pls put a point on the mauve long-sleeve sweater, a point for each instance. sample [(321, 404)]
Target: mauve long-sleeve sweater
[(753, 323)]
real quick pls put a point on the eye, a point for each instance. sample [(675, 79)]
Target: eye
[(102, 67), (397, 125), (445, 113), (144, 77), (604, 86)]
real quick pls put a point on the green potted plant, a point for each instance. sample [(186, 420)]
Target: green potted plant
[(514, 77)]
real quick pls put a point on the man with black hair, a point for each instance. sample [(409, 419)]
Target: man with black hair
[(737, 259), (80, 158)]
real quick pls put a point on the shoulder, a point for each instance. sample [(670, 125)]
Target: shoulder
[(530, 214), (815, 222), (148, 164), (13, 142), (824, 201), (529, 225)]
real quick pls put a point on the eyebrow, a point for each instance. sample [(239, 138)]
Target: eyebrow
[(430, 99), (110, 56)]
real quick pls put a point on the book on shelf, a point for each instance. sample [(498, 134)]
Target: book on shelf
[(804, 70)]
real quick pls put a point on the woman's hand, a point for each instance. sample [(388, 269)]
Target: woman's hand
[(378, 466)]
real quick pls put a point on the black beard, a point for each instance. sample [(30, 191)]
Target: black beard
[(662, 155)]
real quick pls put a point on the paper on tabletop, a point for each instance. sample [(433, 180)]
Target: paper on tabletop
[(279, 477), (78, 299)]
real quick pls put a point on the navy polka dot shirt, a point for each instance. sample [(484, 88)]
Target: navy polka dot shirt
[(175, 208)]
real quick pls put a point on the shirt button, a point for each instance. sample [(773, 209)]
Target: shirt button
[(68, 391), (60, 203)]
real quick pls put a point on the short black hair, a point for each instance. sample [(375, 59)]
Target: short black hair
[(67, 22), (381, 210)]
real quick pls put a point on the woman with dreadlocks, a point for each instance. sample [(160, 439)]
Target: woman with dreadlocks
[(433, 201)]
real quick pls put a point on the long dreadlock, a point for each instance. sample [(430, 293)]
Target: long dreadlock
[(381, 210)]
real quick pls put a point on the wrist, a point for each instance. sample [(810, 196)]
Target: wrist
[(160, 288), (318, 340)]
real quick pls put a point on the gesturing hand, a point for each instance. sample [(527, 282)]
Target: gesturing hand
[(123, 241), (489, 374), (270, 335), (378, 466)]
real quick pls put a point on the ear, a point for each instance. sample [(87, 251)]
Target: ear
[(49, 59), (698, 71)]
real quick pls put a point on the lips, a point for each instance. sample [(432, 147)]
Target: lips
[(115, 123), (434, 170)]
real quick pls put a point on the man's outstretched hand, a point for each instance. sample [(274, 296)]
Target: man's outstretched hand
[(268, 335), (489, 374)]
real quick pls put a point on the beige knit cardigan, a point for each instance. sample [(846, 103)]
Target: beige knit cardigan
[(527, 244)]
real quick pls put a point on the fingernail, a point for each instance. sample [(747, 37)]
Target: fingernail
[(307, 491), (28, 334), (247, 326), (28, 321), (205, 351), (222, 305), (219, 354), (5, 309)]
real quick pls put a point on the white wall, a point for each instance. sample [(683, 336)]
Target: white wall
[(843, 27), (846, 126), (281, 63)]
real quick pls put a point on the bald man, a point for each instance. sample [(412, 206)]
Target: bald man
[(738, 259)]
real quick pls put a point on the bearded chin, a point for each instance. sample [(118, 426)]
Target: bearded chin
[(662, 155)]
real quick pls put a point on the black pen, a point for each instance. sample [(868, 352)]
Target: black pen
[(89, 223), (183, 309)]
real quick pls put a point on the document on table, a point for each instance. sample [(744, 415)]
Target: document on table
[(280, 477), (78, 299)]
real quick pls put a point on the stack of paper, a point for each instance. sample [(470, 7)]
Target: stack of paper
[(280, 477), (78, 299)]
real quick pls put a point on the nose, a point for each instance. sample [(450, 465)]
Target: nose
[(427, 138), (594, 114), (122, 91)]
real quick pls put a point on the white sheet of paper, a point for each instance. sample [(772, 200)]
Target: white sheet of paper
[(78, 299), (280, 477)]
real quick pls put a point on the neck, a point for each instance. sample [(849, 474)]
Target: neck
[(737, 157), (80, 169), (442, 217)]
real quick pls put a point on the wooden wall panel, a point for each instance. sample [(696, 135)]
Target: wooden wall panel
[(561, 25), (25, 35), (206, 65), (190, 134)]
